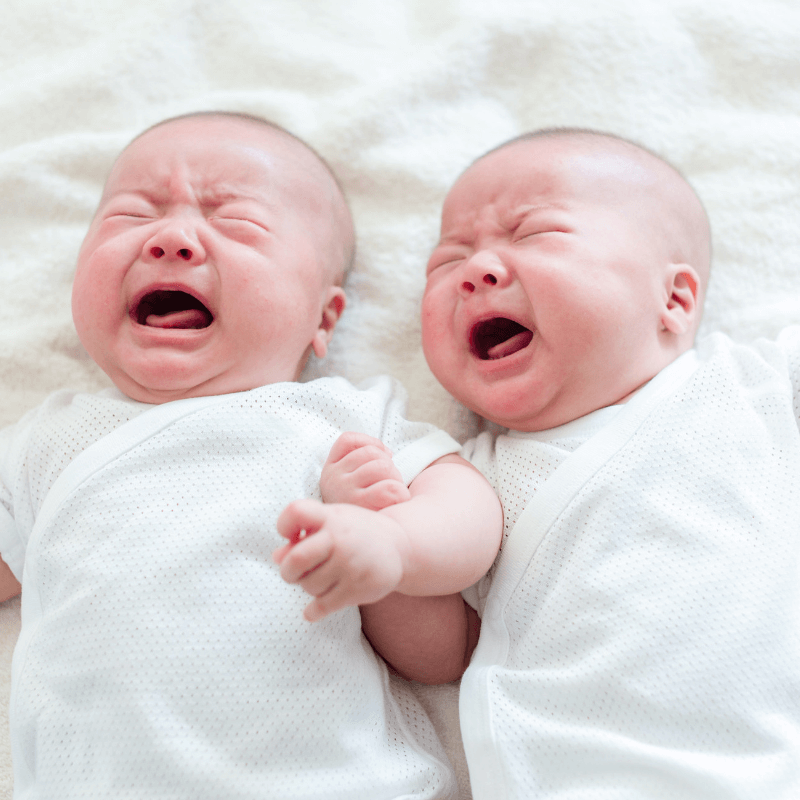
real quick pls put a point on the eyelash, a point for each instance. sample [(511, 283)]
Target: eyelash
[(240, 219), (126, 214), (439, 264)]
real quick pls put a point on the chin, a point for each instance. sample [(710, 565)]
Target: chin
[(144, 389), (514, 412)]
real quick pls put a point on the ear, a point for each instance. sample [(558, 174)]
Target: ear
[(331, 311), (679, 314)]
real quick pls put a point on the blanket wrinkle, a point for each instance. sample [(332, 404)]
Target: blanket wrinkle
[(399, 97)]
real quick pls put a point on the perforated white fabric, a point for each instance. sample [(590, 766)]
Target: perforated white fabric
[(524, 469), (641, 637), (161, 655)]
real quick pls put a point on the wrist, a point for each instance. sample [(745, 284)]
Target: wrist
[(402, 545)]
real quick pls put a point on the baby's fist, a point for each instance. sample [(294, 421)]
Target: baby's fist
[(360, 471)]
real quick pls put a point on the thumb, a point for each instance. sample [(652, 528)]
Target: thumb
[(300, 519)]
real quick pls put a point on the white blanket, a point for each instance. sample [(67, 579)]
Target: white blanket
[(399, 96)]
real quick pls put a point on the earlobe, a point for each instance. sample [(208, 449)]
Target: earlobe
[(680, 310), (331, 311)]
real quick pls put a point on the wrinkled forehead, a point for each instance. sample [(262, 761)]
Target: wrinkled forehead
[(218, 159), (557, 171), (215, 153)]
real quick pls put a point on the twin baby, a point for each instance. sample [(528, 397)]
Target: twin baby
[(637, 634)]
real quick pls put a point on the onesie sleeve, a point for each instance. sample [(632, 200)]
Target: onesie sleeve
[(480, 452), (789, 342), (414, 445), (12, 546)]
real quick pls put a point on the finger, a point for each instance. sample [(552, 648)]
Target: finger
[(351, 441), (301, 515), (304, 558), (383, 494), (317, 610), (337, 597), (319, 581), (279, 554), (375, 471), (328, 603), (363, 456)]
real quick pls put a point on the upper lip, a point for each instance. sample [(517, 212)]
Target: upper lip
[(134, 308)]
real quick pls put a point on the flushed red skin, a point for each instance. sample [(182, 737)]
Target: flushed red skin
[(233, 214)]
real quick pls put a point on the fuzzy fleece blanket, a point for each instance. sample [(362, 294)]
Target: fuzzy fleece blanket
[(399, 96)]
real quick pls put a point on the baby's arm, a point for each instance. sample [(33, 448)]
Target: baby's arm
[(424, 630), (425, 639), (438, 542), (9, 585)]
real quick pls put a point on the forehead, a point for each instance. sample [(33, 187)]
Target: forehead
[(212, 153), (559, 172)]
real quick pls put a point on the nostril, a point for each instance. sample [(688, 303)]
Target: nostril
[(156, 252), (490, 279), (468, 287), (185, 253)]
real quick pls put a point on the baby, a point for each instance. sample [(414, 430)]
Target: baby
[(641, 626), (161, 653)]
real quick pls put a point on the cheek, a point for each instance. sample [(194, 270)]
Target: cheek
[(95, 289), (97, 293), (86, 313), (438, 350), (269, 323), (567, 301), (432, 334), (434, 309), (87, 295)]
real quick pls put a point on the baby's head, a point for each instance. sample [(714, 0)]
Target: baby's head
[(214, 261), (571, 269)]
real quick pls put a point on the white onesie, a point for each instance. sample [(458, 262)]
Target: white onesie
[(641, 626), (161, 655)]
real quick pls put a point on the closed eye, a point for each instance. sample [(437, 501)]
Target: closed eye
[(129, 205), (444, 258), (127, 219), (439, 264), (130, 214), (528, 234), (234, 220)]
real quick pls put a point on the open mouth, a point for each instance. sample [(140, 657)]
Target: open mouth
[(167, 308), (498, 338)]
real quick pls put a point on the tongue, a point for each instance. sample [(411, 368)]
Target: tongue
[(509, 346), (188, 318)]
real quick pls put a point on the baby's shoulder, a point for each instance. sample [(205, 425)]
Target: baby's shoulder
[(779, 355)]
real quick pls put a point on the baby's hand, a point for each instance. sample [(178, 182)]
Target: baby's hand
[(341, 554), (360, 470)]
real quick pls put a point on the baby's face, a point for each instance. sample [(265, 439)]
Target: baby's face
[(542, 295), (207, 268)]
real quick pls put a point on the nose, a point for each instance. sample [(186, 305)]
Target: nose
[(482, 271), (175, 241)]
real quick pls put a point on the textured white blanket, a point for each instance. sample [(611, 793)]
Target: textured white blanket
[(399, 96)]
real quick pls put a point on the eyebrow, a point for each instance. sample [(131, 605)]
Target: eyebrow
[(519, 214), (218, 197), (210, 197)]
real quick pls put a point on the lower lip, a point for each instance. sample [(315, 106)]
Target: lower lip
[(516, 362), (170, 337)]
